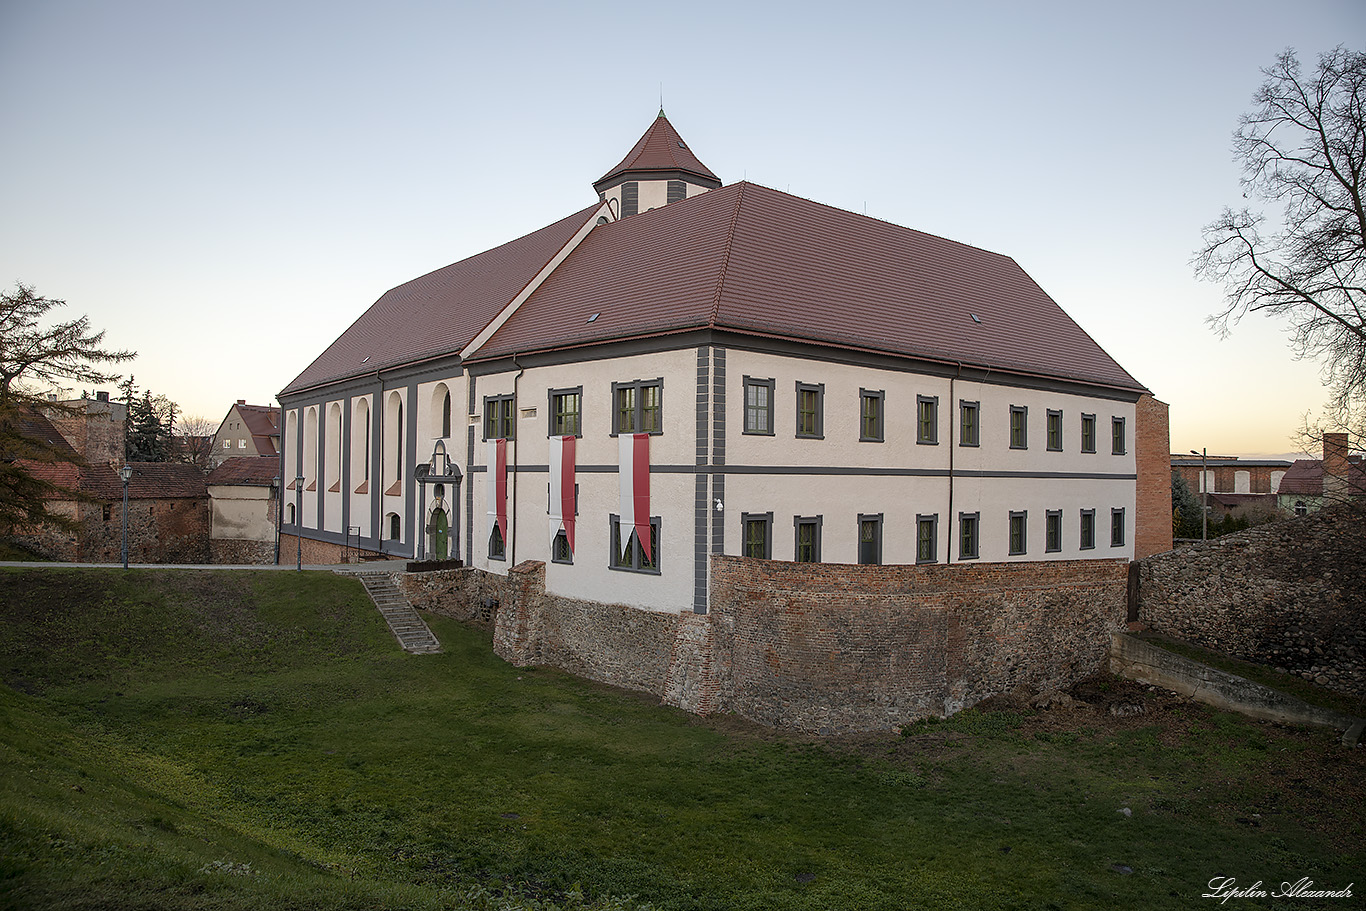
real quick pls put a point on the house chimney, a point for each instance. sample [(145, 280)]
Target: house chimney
[(1335, 467), (241, 401), (101, 396)]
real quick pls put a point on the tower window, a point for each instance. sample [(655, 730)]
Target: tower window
[(630, 198)]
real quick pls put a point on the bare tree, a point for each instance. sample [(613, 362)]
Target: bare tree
[(1304, 147), (194, 441)]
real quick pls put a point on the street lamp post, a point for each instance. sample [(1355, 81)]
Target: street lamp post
[(276, 499), (126, 474), (299, 522), (1204, 493)]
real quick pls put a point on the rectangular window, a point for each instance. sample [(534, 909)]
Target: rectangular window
[(1019, 427), (968, 434), (638, 407), (758, 406), (1116, 528), (496, 546), (807, 532), (498, 417), (870, 415), (627, 554), (967, 535), (1019, 541), (1117, 436), (1053, 531), (1088, 529), (927, 419), (241, 444), (559, 549), (756, 530), (227, 444), (566, 406), (870, 539), (811, 410), (926, 538), (1054, 431), (1088, 433)]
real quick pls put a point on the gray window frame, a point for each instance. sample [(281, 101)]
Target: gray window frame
[(932, 520), (1023, 412), (1087, 541), (921, 438), (976, 406), (1117, 423), (872, 395), (614, 535), (553, 413), (1088, 420), (767, 519), (1117, 540), (1053, 428), (1023, 516), (1052, 526), (509, 417), (638, 409), (858, 537), (815, 522), (976, 519), (819, 390), (770, 385)]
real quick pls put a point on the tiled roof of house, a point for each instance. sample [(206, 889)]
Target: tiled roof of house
[(263, 423), (1305, 478), (245, 471), (35, 426), (150, 481), (660, 149), (440, 312), (759, 261)]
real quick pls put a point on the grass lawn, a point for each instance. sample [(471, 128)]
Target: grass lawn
[(225, 740)]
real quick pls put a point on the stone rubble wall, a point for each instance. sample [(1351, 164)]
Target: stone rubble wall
[(819, 648), (1290, 595)]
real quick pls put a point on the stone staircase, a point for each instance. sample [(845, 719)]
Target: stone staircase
[(408, 628)]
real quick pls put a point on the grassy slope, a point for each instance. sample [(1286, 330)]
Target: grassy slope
[(234, 740)]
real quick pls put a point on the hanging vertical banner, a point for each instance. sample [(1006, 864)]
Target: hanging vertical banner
[(634, 474), (497, 496), (562, 489)]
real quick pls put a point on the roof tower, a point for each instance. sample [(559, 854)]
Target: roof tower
[(658, 170)]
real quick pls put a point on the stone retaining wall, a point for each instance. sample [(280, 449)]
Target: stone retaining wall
[(820, 648), (1291, 595)]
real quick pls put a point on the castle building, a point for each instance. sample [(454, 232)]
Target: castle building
[(686, 368)]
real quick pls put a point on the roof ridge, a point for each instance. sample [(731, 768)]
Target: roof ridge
[(725, 259)]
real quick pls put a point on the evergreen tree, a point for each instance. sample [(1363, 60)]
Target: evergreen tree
[(150, 421), (1186, 509)]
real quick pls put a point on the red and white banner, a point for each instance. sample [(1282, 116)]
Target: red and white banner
[(497, 496), (562, 489), (634, 474)]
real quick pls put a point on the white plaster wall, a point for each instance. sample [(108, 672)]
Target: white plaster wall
[(360, 502), (332, 450), (241, 513), (671, 493), (651, 194), (394, 503)]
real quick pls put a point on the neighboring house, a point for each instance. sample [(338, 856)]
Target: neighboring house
[(244, 493), (685, 369), (1310, 484), (1234, 484), (247, 430)]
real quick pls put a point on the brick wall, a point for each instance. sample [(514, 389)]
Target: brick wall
[(242, 553), (1152, 454), (823, 648), (1288, 595), (323, 553), (159, 531)]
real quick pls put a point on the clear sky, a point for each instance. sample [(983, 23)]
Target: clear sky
[(226, 186)]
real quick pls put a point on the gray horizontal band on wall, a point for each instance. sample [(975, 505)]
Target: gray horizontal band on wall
[(829, 470)]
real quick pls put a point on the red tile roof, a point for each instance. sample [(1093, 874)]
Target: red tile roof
[(33, 425), (660, 149), (759, 261), (440, 312), (263, 423), (1305, 478), (245, 471), (150, 481)]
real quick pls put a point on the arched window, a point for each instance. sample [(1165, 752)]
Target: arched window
[(289, 513), (360, 440), (332, 447), (393, 441), (441, 400), (395, 527)]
